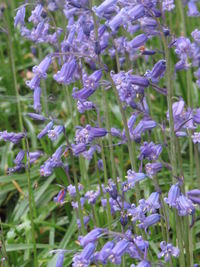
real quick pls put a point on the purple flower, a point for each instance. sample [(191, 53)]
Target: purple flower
[(183, 48), (60, 259), (112, 190), (152, 203), (100, 164), (54, 134), (95, 132), (19, 157), (92, 236), (196, 35), (67, 73), (36, 14), (83, 259), (194, 196), (136, 12), (36, 99), (33, 156), (103, 7), (78, 149), (118, 251), (117, 20), (134, 177), (167, 251), (20, 16), (36, 116), (157, 72), (92, 196), (45, 131), (92, 81), (184, 206), (90, 152), (43, 67), (173, 194), (72, 190), (192, 9), (11, 137), (150, 151), (153, 168), (150, 220), (104, 253), (196, 137), (60, 197), (138, 41), (86, 220), (168, 5), (34, 83), (83, 106)]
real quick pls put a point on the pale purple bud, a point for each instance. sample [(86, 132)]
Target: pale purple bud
[(194, 196), (157, 72), (104, 253), (138, 41), (103, 7), (67, 72), (45, 131), (83, 106), (136, 12), (79, 148), (139, 80), (36, 14), (36, 99), (82, 94), (60, 260), (20, 16), (134, 177), (19, 157), (36, 116), (92, 236), (173, 194), (11, 137), (196, 137), (192, 9), (117, 20), (150, 220)]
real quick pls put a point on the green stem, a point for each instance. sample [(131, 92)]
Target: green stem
[(30, 197)]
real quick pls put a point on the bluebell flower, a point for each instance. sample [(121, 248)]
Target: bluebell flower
[(67, 73), (92, 236), (196, 137), (168, 250), (72, 190), (103, 7), (118, 251), (83, 106), (134, 177), (20, 16), (43, 67), (184, 206), (78, 149), (36, 14), (36, 99), (36, 116), (45, 131), (168, 5), (151, 204), (104, 253), (11, 137), (34, 82), (149, 221), (192, 9), (19, 157), (194, 196), (54, 133), (173, 194), (60, 259), (117, 20), (157, 72), (153, 168), (83, 259), (136, 12), (138, 41), (150, 151)]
